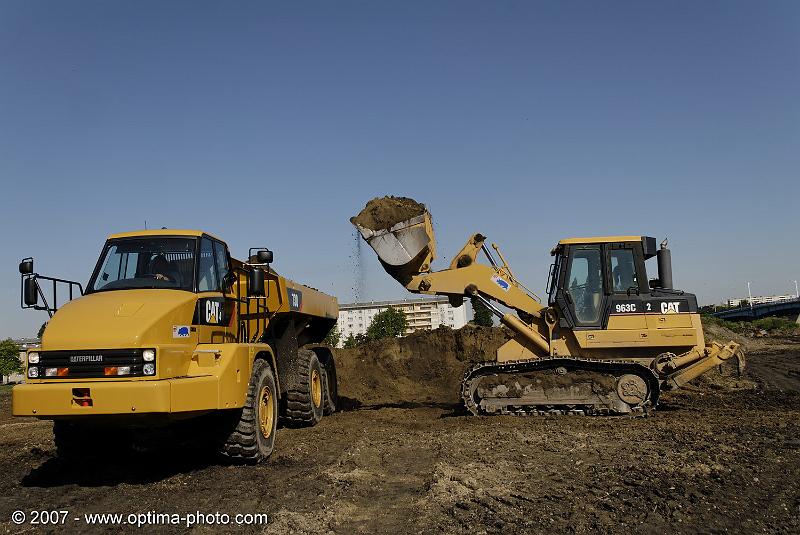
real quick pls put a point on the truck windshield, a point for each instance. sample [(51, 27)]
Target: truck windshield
[(129, 263)]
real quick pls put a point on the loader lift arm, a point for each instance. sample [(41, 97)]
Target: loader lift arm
[(494, 282)]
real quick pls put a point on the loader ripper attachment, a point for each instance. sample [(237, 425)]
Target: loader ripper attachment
[(677, 370), (560, 386)]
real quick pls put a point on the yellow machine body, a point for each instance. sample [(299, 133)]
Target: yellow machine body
[(200, 365), (607, 340)]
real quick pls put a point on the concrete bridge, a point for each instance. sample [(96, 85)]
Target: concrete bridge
[(748, 313)]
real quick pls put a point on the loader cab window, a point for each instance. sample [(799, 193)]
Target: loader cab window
[(584, 284), (131, 263), (207, 279), (623, 270)]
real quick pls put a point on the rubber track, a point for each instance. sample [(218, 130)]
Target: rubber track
[(614, 367)]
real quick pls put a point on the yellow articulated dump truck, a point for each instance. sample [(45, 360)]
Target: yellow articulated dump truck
[(172, 333)]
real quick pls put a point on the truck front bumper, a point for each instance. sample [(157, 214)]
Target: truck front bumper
[(114, 397)]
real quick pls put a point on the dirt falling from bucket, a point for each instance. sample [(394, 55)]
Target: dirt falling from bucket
[(357, 268)]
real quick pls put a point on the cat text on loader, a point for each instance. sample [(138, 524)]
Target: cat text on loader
[(171, 332), (607, 342)]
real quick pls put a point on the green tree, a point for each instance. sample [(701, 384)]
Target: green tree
[(41, 330), (353, 341), (9, 358), (482, 314), (387, 324), (333, 337)]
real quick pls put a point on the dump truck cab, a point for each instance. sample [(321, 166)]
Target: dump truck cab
[(170, 326)]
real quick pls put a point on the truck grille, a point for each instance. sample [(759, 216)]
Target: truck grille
[(90, 363)]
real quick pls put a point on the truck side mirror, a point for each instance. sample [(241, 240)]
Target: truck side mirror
[(264, 256), (26, 266), (228, 279), (30, 293), (255, 282)]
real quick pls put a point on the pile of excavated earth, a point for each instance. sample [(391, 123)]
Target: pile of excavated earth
[(385, 212), (428, 366), (423, 367)]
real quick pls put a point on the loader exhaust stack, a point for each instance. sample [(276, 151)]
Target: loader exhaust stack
[(664, 259)]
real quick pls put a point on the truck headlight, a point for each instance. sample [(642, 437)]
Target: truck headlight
[(149, 369), (33, 357), (149, 355), (33, 372)]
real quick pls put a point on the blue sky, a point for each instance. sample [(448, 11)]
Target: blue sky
[(272, 123)]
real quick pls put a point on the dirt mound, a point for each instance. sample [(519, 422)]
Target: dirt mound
[(428, 366), (717, 332), (385, 212), (424, 367)]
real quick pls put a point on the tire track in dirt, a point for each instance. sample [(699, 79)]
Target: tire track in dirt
[(776, 370), (388, 458)]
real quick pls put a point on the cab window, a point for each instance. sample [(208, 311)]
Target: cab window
[(623, 270), (585, 284), (221, 254), (206, 270), (145, 262)]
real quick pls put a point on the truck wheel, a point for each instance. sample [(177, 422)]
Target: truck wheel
[(305, 399), (331, 388), (253, 437)]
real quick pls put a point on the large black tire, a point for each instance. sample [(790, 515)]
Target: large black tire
[(305, 399), (253, 436)]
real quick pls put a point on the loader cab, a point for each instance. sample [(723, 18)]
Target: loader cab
[(593, 279)]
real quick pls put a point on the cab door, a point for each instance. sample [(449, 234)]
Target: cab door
[(626, 277), (214, 312), (582, 295)]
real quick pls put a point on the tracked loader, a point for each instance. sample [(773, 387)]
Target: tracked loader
[(171, 333), (608, 341)]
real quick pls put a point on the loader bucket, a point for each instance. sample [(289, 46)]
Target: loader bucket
[(406, 249)]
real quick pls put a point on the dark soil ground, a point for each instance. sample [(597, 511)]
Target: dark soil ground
[(720, 456)]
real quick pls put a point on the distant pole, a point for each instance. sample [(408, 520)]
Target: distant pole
[(750, 295)]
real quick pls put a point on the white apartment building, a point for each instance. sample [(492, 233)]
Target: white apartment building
[(423, 313), (760, 299)]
